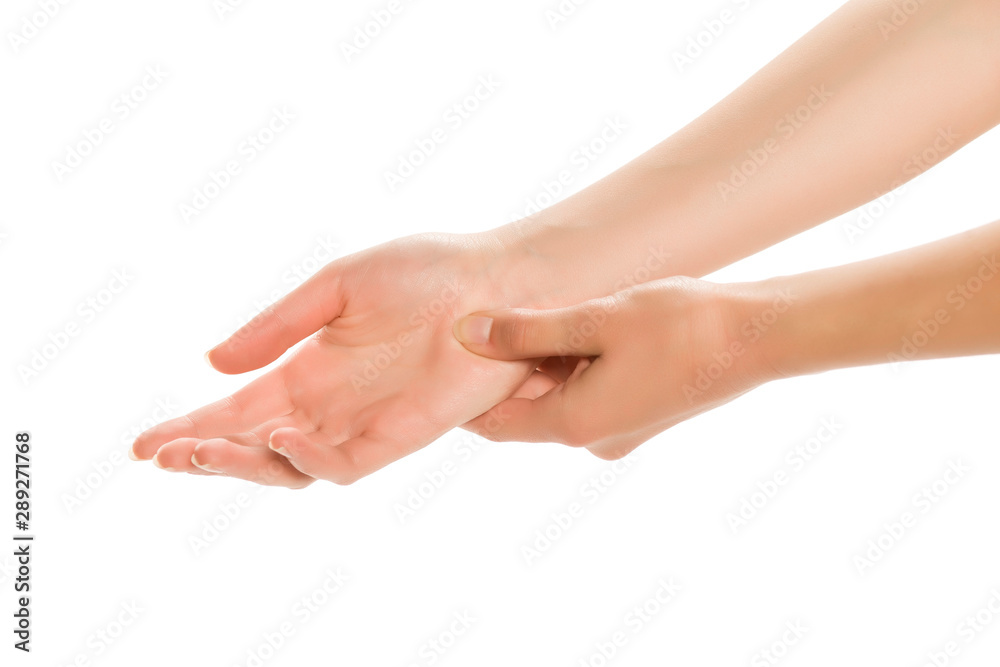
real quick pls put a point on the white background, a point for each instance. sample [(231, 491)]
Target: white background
[(321, 182)]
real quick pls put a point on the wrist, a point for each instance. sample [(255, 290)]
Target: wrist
[(552, 260), (529, 267), (766, 316)]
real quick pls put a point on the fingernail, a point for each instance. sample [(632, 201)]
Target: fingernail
[(207, 359), (204, 466), (131, 454), (158, 464), (280, 450), (474, 329)]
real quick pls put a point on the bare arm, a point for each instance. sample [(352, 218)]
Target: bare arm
[(853, 109), (620, 369)]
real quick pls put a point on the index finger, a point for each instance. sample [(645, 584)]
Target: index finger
[(262, 400)]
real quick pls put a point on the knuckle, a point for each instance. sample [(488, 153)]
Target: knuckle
[(595, 317), (515, 335), (597, 310), (346, 470), (188, 422), (643, 300), (232, 407)]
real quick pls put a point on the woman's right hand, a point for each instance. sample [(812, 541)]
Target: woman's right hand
[(615, 371)]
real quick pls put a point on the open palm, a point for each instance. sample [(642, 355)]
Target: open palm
[(380, 377)]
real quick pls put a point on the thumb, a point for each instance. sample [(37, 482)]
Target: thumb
[(521, 333), (305, 310)]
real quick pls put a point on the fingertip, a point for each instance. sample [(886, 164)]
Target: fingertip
[(137, 452), (519, 419), (285, 441), (145, 446), (257, 343), (514, 334), (222, 360), (159, 463), (200, 458), (220, 456)]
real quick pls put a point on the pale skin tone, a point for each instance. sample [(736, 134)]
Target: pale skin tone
[(381, 374)]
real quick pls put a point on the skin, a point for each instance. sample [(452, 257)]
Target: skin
[(375, 380), (666, 213), (623, 368)]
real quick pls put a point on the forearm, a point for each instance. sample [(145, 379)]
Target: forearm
[(937, 300), (844, 114)]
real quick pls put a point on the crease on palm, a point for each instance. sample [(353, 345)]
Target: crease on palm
[(433, 385)]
